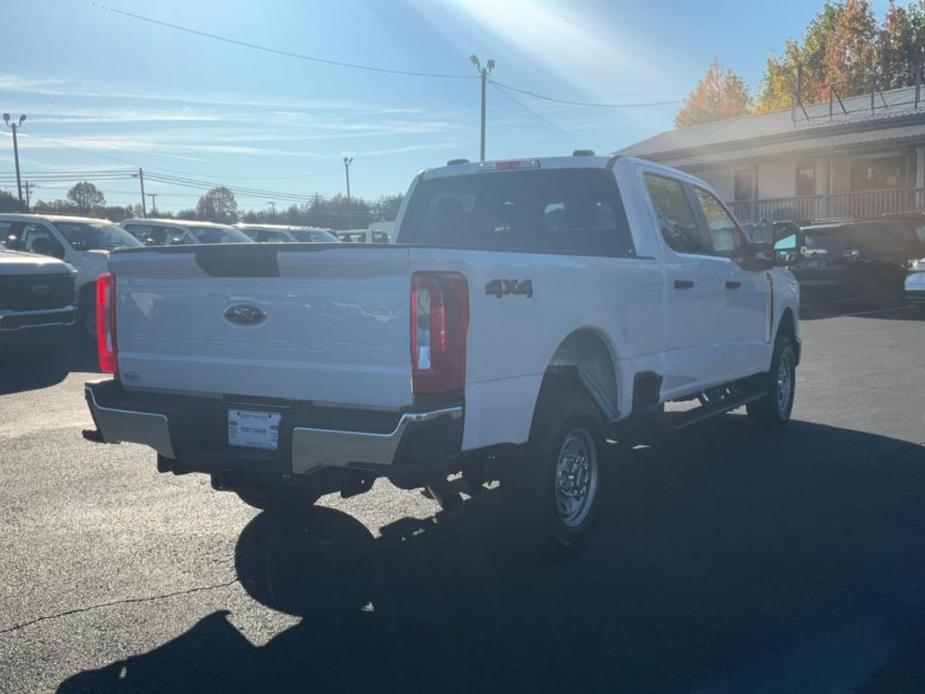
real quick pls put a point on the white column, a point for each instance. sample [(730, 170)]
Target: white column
[(920, 167)]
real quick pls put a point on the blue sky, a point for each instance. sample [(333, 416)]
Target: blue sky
[(174, 103)]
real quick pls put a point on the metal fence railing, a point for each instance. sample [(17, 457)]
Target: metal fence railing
[(868, 203)]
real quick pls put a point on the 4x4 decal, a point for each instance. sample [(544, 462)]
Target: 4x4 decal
[(498, 288)]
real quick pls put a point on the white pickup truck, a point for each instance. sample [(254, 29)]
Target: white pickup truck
[(529, 311)]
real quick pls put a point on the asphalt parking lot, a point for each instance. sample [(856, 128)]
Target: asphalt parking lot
[(725, 561)]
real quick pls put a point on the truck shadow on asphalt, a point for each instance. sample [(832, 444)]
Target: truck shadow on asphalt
[(24, 371), (724, 561)]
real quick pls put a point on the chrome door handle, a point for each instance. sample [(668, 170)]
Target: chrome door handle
[(733, 284), (683, 284)]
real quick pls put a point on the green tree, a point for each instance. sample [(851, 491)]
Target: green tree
[(386, 207), (8, 203), (218, 205), (720, 94), (86, 196)]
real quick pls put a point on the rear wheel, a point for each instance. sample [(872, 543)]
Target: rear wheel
[(773, 410), (558, 479)]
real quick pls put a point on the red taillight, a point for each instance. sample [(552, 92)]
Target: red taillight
[(106, 323), (439, 322)]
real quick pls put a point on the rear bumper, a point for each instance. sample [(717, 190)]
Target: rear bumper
[(316, 448), (916, 297), (192, 431)]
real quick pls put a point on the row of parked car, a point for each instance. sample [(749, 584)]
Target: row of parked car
[(879, 260), (49, 263)]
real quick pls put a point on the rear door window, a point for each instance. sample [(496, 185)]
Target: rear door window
[(675, 215), (10, 233), (148, 234), (565, 211), (37, 238), (270, 236)]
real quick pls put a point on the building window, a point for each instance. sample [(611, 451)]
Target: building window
[(877, 173), (744, 184), (806, 178)]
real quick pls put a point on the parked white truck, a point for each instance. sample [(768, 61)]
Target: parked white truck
[(529, 311)]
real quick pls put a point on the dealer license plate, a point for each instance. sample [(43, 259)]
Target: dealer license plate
[(254, 429)]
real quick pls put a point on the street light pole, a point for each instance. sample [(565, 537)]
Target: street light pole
[(14, 126), (484, 72), (347, 162)]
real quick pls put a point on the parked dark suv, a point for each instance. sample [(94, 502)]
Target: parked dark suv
[(856, 259)]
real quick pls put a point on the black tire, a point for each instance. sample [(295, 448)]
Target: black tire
[(558, 509), (773, 410), (282, 500), (86, 315)]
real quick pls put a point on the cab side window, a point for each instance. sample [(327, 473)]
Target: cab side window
[(728, 239), (675, 215)]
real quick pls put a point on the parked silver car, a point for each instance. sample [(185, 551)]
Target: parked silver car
[(181, 232), (282, 233)]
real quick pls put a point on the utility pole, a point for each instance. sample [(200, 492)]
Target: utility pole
[(484, 72), (28, 186), (347, 162), (153, 197), (14, 125), (141, 179), (272, 205)]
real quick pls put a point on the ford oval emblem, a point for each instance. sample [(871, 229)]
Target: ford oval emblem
[(244, 314)]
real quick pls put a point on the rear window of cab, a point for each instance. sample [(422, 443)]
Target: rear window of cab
[(562, 211)]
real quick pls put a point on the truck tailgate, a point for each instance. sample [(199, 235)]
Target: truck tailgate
[(323, 323)]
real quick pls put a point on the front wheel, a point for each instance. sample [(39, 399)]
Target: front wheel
[(773, 410), (559, 477)]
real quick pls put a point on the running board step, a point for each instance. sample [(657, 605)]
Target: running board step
[(682, 420)]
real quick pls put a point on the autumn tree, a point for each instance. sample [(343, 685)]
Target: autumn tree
[(86, 196), (844, 47), (218, 205), (720, 94), (850, 53)]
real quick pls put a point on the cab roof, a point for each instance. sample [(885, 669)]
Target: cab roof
[(526, 163), (27, 216), (179, 222)]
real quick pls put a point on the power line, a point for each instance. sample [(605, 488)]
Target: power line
[(207, 185), (585, 103), (543, 118), (135, 165), (277, 51), (360, 66)]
